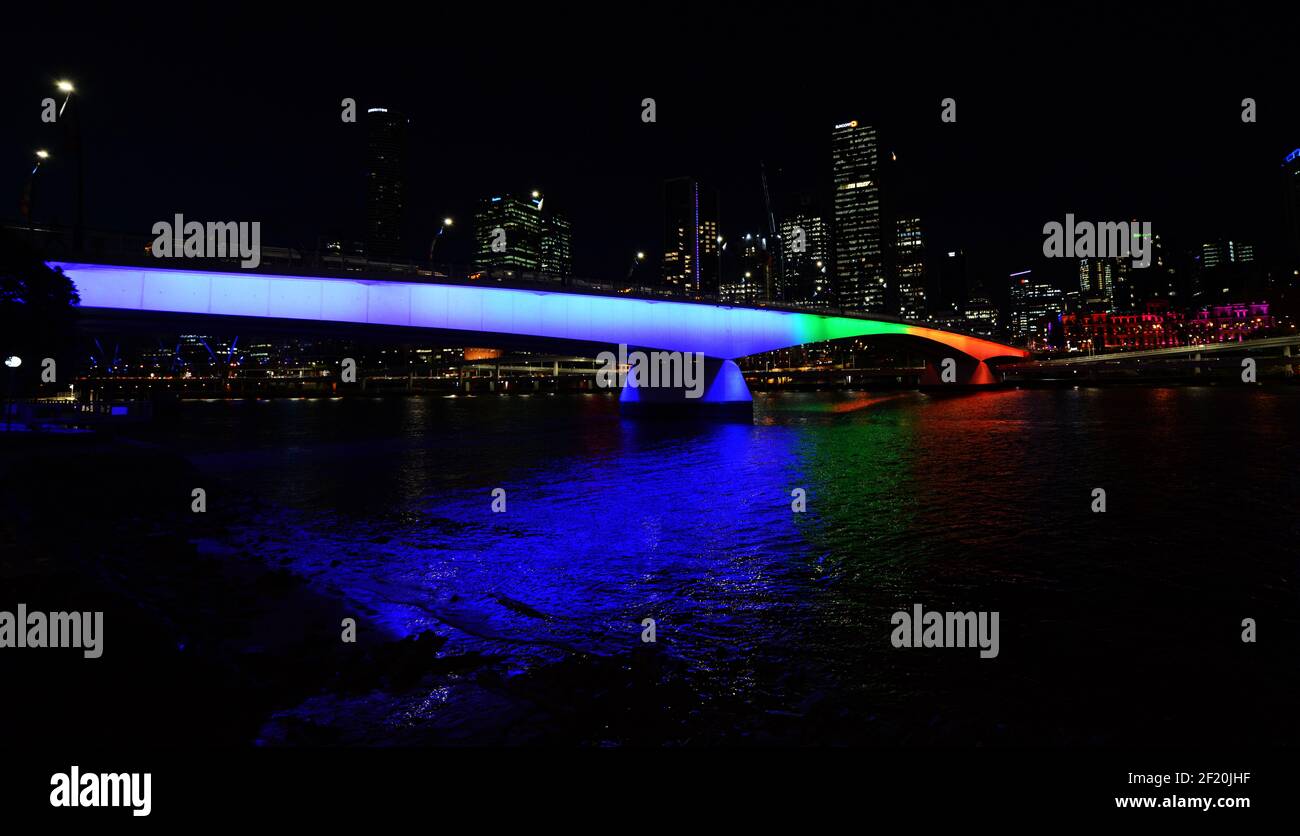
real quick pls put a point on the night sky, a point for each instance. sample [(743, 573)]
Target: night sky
[(1109, 115)]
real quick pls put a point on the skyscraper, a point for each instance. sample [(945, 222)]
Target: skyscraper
[(386, 158), (1291, 202), (515, 232), (1155, 281), (690, 237), (859, 265), (1227, 268), (952, 289), (557, 245), (748, 285), (508, 232), (981, 314), (1033, 305), (1223, 252), (805, 243), (1097, 282), (909, 267), (1116, 285)]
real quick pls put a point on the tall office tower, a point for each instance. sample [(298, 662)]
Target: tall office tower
[(750, 282), (557, 245), (1123, 294), (1125, 287), (952, 290), (386, 158), (909, 267), (508, 232), (859, 265), (1291, 203), (691, 247), (981, 314), (1033, 305), (1223, 252), (1097, 282), (1227, 268), (1155, 281), (805, 246)]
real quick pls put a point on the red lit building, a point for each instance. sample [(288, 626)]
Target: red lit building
[(1096, 331), (1161, 327), (1229, 322)]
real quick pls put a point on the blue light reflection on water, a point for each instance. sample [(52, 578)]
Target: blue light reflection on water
[(590, 544), (976, 502)]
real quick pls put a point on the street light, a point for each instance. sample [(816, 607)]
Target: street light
[(721, 248), (446, 224), (29, 189), (65, 86), (74, 142), (636, 259)]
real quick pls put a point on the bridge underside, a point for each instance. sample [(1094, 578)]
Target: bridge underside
[(470, 313)]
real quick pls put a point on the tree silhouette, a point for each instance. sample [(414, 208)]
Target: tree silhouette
[(37, 303)]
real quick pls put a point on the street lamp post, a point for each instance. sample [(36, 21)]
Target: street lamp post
[(721, 245), (74, 144), (636, 259), (446, 224), (29, 191)]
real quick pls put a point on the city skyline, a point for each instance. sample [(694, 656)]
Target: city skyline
[(484, 134)]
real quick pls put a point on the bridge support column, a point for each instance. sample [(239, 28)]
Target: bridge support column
[(726, 397), (961, 372)]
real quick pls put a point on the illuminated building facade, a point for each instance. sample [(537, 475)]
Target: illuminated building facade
[(750, 283), (981, 314), (1158, 325), (557, 245), (1226, 270), (1033, 305), (805, 242), (909, 267), (691, 250), (385, 177), (514, 233), (859, 263), (1097, 282), (1225, 252), (1229, 322)]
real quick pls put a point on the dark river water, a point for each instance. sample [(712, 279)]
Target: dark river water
[(1115, 627)]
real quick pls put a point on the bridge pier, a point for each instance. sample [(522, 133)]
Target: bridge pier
[(963, 372), (726, 397)]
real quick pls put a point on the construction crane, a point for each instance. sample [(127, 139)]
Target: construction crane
[(773, 235)]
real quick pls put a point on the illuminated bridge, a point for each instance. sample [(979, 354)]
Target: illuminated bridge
[(474, 313)]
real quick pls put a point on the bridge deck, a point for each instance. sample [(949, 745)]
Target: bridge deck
[(722, 331)]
